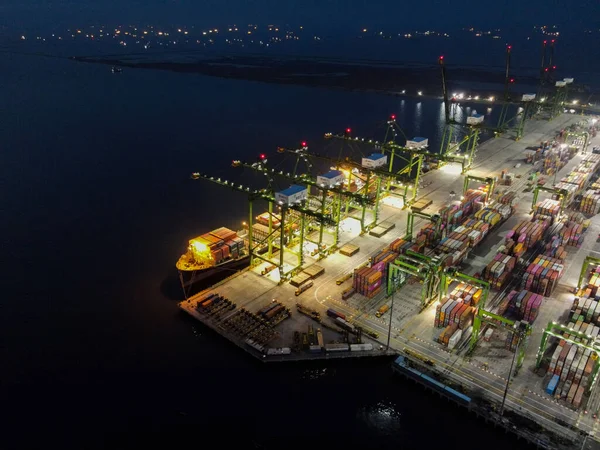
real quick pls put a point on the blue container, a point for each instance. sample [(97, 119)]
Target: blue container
[(552, 385)]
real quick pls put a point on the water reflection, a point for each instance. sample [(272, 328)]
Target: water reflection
[(383, 417)]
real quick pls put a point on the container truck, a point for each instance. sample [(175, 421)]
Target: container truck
[(381, 311), (304, 287)]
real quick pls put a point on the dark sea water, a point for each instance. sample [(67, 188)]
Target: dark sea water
[(97, 205)]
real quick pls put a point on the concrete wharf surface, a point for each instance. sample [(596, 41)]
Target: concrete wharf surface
[(414, 330)]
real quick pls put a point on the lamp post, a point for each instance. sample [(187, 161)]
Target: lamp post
[(395, 284), (509, 374)]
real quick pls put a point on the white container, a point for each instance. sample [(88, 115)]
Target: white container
[(453, 341), (560, 84), (374, 161), (568, 80), (291, 195), (331, 178), (528, 97), (417, 142)]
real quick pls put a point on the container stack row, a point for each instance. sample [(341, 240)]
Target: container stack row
[(498, 271), (370, 281), (542, 275), (590, 203), (570, 371), (576, 178), (585, 312), (525, 305), (508, 198), (572, 190), (547, 208), (572, 234), (555, 249), (524, 236), (400, 246), (455, 213), (469, 295), (454, 318)]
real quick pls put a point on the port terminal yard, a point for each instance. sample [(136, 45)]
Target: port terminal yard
[(398, 323)]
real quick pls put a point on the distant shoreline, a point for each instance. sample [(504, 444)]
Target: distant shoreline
[(398, 80)]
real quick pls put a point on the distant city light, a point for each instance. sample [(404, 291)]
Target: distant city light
[(420, 93)]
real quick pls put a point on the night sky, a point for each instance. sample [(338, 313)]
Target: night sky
[(320, 14)]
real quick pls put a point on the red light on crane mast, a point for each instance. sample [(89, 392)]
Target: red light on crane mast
[(552, 41), (545, 42), (263, 156), (393, 117), (348, 130), (512, 80), (546, 69), (553, 67), (508, 47), (303, 143)]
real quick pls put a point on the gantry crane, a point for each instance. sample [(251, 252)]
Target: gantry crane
[(330, 199), (561, 194), (502, 122), (410, 158), (450, 151), (372, 183), (490, 183), (435, 219), (526, 110), (451, 274), (587, 262), (584, 341), (428, 270), (522, 330), (582, 134), (267, 195)]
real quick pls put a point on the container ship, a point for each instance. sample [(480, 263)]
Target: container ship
[(220, 249)]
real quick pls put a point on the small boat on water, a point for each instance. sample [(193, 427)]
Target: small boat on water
[(116, 69)]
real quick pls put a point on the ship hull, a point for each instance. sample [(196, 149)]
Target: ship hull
[(202, 278)]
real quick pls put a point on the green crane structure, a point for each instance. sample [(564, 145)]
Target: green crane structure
[(581, 340), (521, 328), (528, 106), (482, 316), (490, 182), (502, 122), (285, 229), (560, 193), (411, 161), (450, 151), (450, 275), (583, 134), (587, 262), (370, 177), (329, 201), (412, 264), (435, 219)]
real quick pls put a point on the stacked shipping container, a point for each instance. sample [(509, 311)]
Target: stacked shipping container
[(525, 305), (498, 271), (542, 275)]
